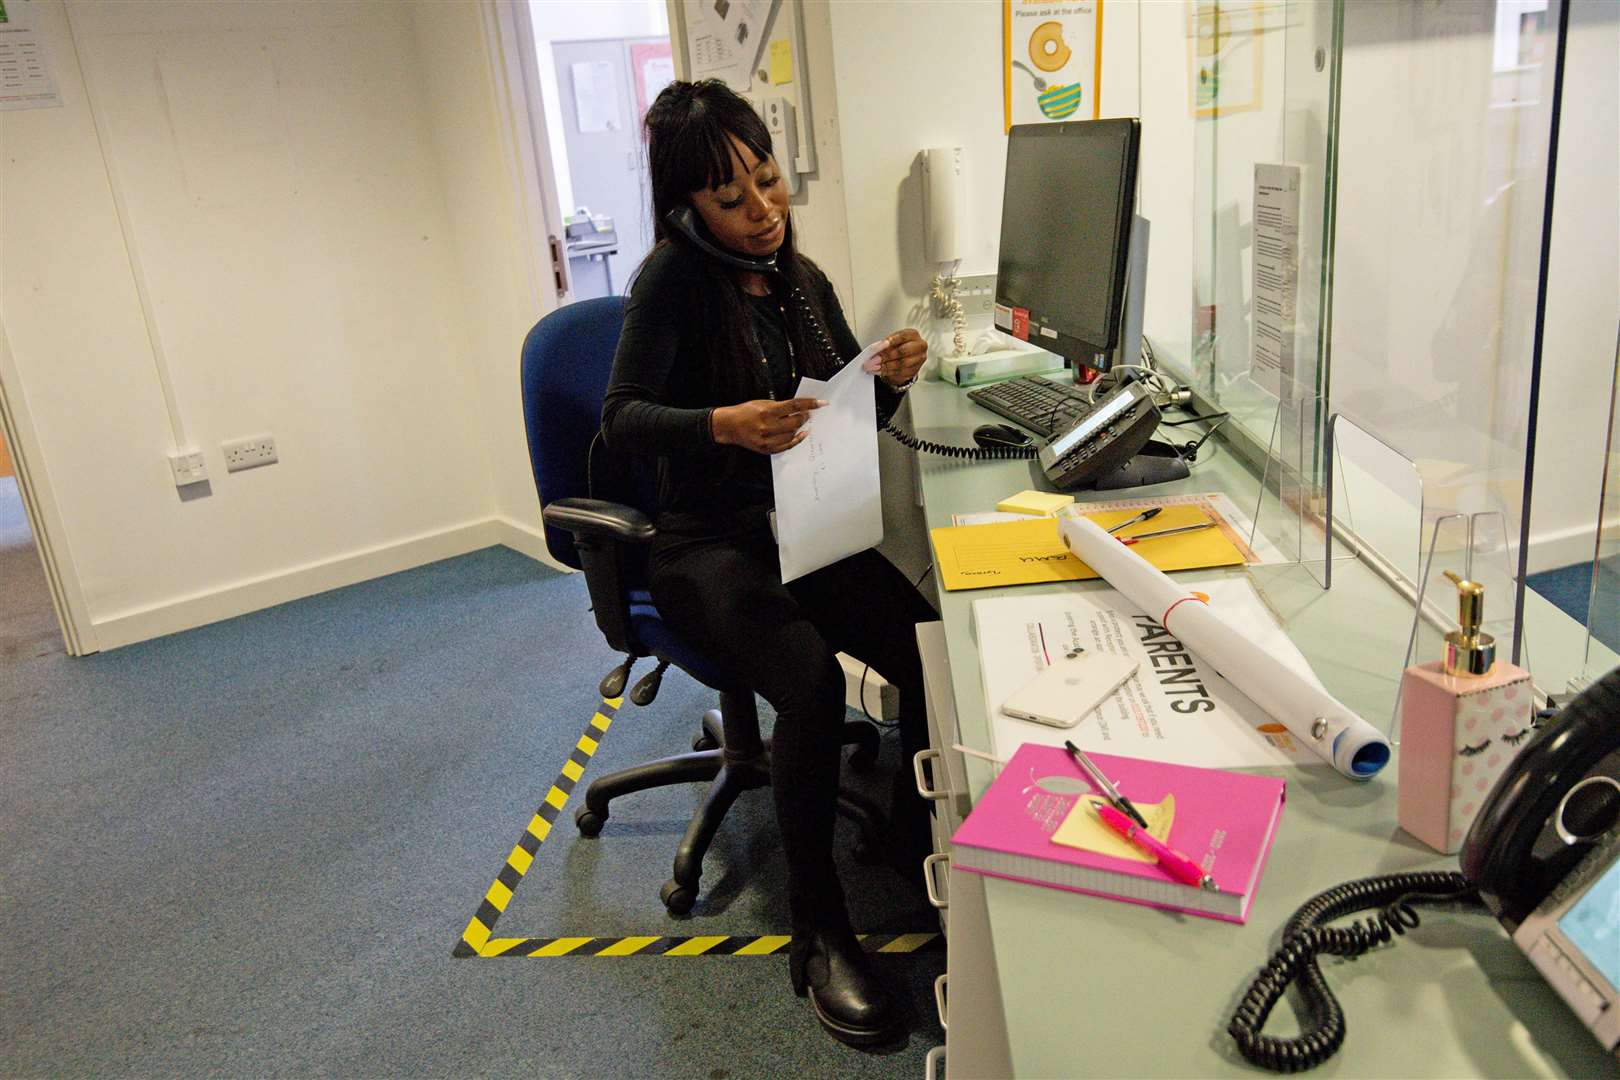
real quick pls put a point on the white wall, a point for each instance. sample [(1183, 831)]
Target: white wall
[(942, 88), (592, 20), (288, 171)]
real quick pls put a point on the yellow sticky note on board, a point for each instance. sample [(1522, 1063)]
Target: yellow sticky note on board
[(781, 62)]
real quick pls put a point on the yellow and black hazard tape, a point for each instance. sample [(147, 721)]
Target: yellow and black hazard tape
[(477, 939), (698, 945)]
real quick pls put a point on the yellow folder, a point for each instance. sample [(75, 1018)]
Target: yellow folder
[(1027, 552)]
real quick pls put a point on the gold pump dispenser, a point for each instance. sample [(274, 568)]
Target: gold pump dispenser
[(1469, 652)]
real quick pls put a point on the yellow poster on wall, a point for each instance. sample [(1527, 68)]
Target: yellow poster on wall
[(1051, 60)]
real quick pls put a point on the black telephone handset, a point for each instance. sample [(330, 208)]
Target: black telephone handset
[(1544, 815), (1558, 800), (684, 220)]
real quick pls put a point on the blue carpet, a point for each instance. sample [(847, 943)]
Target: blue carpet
[(249, 849), (1570, 590)]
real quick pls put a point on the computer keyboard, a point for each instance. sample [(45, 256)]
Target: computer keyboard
[(1040, 405)]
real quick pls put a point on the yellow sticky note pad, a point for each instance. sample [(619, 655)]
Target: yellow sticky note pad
[(1031, 551), (781, 62), (1083, 829), (1041, 503)]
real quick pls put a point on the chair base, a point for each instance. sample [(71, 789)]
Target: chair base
[(733, 759)]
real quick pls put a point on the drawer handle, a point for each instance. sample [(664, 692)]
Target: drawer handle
[(923, 789), (929, 882), (931, 1064), (939, 999)]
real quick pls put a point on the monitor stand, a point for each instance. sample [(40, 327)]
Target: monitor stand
[(1156, 463)]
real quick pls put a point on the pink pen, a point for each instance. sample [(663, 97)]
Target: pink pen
[(1174, 862)]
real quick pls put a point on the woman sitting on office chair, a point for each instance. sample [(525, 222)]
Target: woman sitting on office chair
[(723, 318)]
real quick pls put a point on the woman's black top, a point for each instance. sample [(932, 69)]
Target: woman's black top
[(662, 389)]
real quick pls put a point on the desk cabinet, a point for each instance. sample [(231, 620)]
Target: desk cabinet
[(976, 1045)]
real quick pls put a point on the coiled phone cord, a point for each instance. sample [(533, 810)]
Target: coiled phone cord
[(1304, 938), (971, 453)]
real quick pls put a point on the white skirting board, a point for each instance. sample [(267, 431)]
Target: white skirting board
[(126, 628)]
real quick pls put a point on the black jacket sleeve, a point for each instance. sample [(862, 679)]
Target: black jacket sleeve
[(638, 413)]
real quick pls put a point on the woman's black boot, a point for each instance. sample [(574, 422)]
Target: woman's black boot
[(847, 996)]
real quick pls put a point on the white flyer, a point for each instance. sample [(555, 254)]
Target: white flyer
[(725, 37), (25, 70), (829, 502), (1175, 708), (1276, 276), (596, 96)]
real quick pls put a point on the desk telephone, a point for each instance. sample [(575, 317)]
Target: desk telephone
[(1101, 447), (1543, 856)]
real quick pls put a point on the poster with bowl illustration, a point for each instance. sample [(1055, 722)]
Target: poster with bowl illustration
[(1051, 60)]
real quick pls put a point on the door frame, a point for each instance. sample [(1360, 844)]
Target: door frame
[(509, 42), (40, 505)]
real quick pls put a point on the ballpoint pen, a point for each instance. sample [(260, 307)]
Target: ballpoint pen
[(1147, 515), (1105, 784), (1172, 861), (1129, 540)]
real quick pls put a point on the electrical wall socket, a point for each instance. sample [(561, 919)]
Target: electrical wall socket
[(188, 467), (249, 453), (977, 294)]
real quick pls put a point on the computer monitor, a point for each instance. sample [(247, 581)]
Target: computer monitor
[(1066, 218)]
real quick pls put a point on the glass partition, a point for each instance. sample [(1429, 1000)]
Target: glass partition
[(1365, 241), (1602, 649)]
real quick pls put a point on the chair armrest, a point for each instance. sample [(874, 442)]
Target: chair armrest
[(600, 519), (608, 535)]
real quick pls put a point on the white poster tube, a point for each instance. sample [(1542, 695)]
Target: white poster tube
[(1315, 717)]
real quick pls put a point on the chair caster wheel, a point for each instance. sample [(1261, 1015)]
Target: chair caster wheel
[(863, 759), (589, 821), (677, 897), (701, 742)]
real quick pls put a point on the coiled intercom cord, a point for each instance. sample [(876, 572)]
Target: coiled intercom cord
[(971, 453), (1304, 939)]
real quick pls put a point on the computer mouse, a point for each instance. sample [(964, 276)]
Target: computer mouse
[(999, 436)]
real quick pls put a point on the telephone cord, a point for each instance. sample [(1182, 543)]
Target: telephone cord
[(969, 453), (1304, 937)]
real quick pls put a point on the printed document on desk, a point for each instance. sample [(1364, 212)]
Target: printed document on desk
[(828, 500), (1174, 709)]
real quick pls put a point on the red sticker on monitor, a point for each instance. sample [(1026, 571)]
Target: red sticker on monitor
[(1020, 326)]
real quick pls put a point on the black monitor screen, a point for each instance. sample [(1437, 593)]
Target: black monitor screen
[(1065, 231)]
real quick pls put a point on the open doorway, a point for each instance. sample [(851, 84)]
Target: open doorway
[(28, 626), (600, 67)]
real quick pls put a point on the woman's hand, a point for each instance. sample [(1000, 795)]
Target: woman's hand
[(767, 427), (902, 356)]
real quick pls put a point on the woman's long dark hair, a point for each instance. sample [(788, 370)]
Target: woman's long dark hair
[(689, 129)]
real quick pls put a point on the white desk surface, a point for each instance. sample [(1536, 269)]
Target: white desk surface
[(1092, 987)]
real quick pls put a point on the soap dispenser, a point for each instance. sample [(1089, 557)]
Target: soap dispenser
[(1463, 718)]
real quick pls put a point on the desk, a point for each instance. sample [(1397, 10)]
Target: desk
[(1080, 986)]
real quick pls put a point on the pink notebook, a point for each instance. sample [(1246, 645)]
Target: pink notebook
[(1224, 821)]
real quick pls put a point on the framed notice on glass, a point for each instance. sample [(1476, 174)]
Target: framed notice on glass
[(1051, 60)]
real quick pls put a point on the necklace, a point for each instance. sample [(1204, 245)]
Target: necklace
[(764, 361)]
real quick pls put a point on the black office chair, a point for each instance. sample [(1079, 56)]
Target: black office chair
[(589, 499)]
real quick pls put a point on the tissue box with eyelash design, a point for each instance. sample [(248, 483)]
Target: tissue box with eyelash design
[(1458, 735)]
